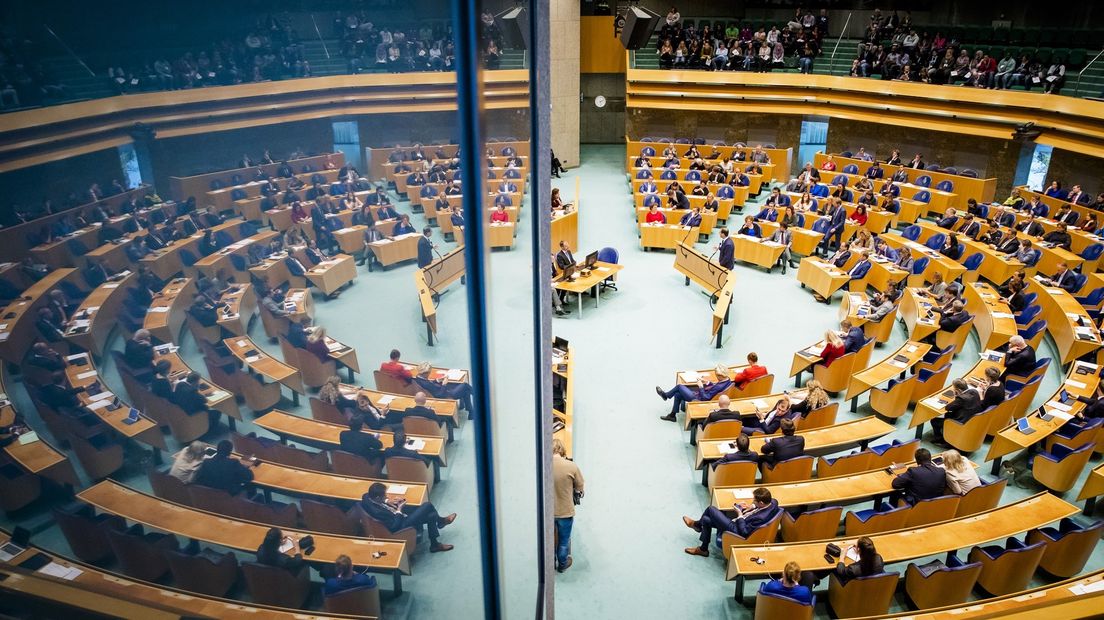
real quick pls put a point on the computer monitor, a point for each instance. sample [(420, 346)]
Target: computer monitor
[(559, 344), (591, 260), (567, 273)]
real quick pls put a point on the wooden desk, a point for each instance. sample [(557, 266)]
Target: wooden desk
[(1094, 486), (446, 409), (993, 319), (431, 280), (101, 592), (580, 284), (1009, 439), (241, 305), (36, 457), (834, 491), (914, 310), (1068, 322), (200, 184), (332, 274), (903, 545), (266, 366), (935, 406), (724, 205), (211, 265), (328, 436), (667, 236), (351, 238), (965, 187), (566, 435), (821, 276), (950, 269), (17, 323), (882, 272), (80, 372), (824, 440), (805, 240), (158, 514), (217, 398), (758, 252), (94, 320), (112, 255), (780, 158), (396, 249), (167, 313), (297, 482), (565, 227), (697, 412), (497, 235), (709, 218), (896, 364), (805, 358), (166, 262), (56, 253)]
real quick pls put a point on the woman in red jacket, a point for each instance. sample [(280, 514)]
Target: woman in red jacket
[(500, 215), (833, 348), (654, 216)]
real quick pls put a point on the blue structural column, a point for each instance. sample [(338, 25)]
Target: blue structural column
[(469, 96), (138, 152)]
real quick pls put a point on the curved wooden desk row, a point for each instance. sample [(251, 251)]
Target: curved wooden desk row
[(381, 156), (982, 190), (97, 315), (167, 262), (997, 267), (17, 329), (134, 506), (1066, 122), (222, 199), (780, 158), (1079, 597), (97, 591), (38, 457), (15, 241), (903, 545), (824, 440)]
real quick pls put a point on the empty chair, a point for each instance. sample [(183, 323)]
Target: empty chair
[(323, 517), (861, 596), (1007, 569), (354, 602), (1034, 333), (981, 498), (214, 500), (912, 233), (169, 487), (272, 585), (936, 241), (966, 437), (843, 465), (893, 400), (894, 452), (923, 180), (86, 532), (314, 371), (945, 583), (774, 607), (812, 524), (971, 264), (759, 386), (1059, 468), (790, 470), (945, 186), (405, 469), (919, 266), (929, 382), (324, 411), (819, 417), (731, 474), (923, 196), (935, 358), (1068, 547), (99, 455), (206, 572), (850, 169), (259, 396), (933, 510), (141, 555), (881, 518), (349, 464), (17, 487), (1075, 433)]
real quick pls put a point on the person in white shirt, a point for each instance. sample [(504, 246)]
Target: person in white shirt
[(961, 476)]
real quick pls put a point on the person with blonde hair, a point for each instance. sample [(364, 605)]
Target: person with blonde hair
[(961, 476), (789, 586), (568, 485), (815, 397), (186, 462), (345, 578), (316, 344), (833, 348)]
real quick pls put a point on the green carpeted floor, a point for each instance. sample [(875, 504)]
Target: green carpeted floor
[(628, 536)]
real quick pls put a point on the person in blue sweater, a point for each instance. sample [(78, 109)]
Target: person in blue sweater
[(345, 579), (789, 585)]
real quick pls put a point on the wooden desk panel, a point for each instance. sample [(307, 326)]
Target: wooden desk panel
[(397, 249), (824, 440), (897, 363), (993, 319), (1066, 320), (166, 314), (85, 374), (260, 362), (328, 436), (667, 236), (332, 274), (94, 320), (821, 276)]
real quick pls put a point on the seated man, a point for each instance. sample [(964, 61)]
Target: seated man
[(784, 448), (1063, 278), (345, 578), (966, 404), (858, 272), (42, 356), (364, 445), (439, 388), (880, 306), (742, 453), (680, 394), (748, 519), (949, 219), (722, 412), (768, 422), (853, 336), (138, 352), (924, 480), (1020, 358), (223, 472), (1059, 238), (396, 515), (951, 320)]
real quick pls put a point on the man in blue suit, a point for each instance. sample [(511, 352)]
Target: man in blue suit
[(727, 250), (648, 187), (875, 171), (692, 218), (949, 219), (748, 519), (425, 248), (294, 266), (853, 337), (858, 272), (837, 217)]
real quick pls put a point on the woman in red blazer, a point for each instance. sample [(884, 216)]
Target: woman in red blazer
[(833, 349)]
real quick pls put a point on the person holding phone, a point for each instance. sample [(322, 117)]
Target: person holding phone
[(396, 514)]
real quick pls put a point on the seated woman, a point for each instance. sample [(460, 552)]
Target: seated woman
[(805, 203), (680, 394), (269, 553), (863, 239), (953, 249), (869, 562), (962, 477), (833, 348), (859, 216), (789, 217), (789, 586), (654, 216), (345, 578), (815, 398)]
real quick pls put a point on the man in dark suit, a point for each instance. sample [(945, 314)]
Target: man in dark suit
[(425, 248), (42, 356), (396, 515), (387, 212), (1076, 196), (186, 395), (949, 219), (295, 266), (853, 336), (1063, 278), (1030, 227), (783, 448), (965, 405), (692, 218), (297, 333), (57, 395), (837, 217), (858, 272), (1020, 359), (727, 250), (970, 227), (748, 519), (49, 327), (138, 352), (742, 453), (365, 445), (420, 409), (564, 258), (875, 171), (924, 480), (1059, 237), (952, 320), (400, 449), (223, 472), (722, 412)]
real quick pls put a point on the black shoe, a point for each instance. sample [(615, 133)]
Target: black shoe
[(670, 417), (560, 313), (793, 265), (661, 393)]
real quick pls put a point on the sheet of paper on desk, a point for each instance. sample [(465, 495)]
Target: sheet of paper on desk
[(103, 395), (1003, 315), (602, 269), (54, 569), (241, 343), (29, 437), (99, 404), (253, 358), (385, 399), (86, 374), (725, 448), (1086, 588), (454, 374), (760, 403), (1060, 415), (1075, 384), (397, 489), (287, 545), (690, 376), (415, 444), (1059, 406), (933, 402), (159, 309), (898, 364), (742, 493), (911, 348)]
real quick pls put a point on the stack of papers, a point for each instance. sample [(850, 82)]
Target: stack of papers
[(385, 399), (415, 444), (397, 489), (454, 374), (54, 569), (690, 376), (29, 437), (86, 374), (1086, 588)]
